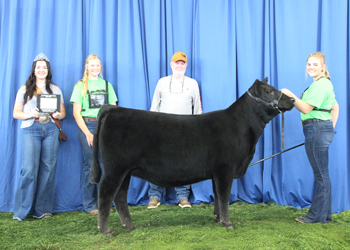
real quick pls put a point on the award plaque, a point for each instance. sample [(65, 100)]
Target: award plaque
[(48, 103)]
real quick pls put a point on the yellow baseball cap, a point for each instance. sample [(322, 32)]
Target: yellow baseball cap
[(179, 56)]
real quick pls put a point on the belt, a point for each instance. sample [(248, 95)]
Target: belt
[(36, 119), (91, 119), (312, 121)]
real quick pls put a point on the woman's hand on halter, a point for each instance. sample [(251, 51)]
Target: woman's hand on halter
[(287, 92)]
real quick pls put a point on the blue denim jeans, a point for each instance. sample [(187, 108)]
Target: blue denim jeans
[(89, 190), (36, 185), (318, 137), (156, 192)]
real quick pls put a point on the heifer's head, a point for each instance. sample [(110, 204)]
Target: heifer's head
[(270, 96)]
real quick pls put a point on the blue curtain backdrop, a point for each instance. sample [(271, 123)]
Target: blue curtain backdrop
[(229, 44)]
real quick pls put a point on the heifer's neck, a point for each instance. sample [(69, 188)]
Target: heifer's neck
[(254, 115), (251, 118)]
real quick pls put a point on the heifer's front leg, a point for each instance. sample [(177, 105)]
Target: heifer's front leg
[(106, 192), (223, 184), (121, 204), (216, 204)]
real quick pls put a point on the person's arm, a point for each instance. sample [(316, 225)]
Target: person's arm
[(81, 124), (19, 114), (112, 97), (335, 113), (197, 103), (156, 99), (60, 115), (300, 105)]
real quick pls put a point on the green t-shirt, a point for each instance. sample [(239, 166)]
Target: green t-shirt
[(320, 95), (94, 87)]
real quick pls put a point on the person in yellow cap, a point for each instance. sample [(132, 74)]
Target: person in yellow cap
[(175, 94)]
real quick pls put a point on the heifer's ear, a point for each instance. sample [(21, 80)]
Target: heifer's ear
[(254, 87), (265, 80)]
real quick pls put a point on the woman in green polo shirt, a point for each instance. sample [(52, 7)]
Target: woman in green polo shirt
[(89, 95), (319, 115)]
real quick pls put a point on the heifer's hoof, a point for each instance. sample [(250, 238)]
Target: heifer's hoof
[(106, 231), (109, 234), (132, 227), (227, 225)]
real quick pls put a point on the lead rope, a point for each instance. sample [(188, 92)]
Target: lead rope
[(283, 146), (277, 154)]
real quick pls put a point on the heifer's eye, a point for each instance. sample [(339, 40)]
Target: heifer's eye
[(269, 91)]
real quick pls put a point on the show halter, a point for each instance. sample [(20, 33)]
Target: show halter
[(273, 104)]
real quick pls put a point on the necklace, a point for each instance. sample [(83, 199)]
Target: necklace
[(182, 88)]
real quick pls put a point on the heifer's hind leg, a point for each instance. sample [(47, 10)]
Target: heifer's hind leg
[(223, 184), (107, 191), (121, 204)]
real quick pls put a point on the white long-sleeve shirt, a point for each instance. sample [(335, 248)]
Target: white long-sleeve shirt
[(177, 96)]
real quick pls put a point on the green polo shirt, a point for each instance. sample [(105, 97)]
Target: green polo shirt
[(94, 86), (320, 94)]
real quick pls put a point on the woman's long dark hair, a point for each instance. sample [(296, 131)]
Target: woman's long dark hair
[(31, 82)]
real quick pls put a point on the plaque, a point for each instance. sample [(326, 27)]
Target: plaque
[(48, 103)]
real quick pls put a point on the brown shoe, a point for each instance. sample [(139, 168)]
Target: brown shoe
[(153, 203), (93, 212), (301, 219), (184, 203)]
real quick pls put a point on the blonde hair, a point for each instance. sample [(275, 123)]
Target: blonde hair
[(320, 56), (86, 73)]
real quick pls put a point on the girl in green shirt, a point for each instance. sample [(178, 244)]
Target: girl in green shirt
[(88, 96), (319, 115)]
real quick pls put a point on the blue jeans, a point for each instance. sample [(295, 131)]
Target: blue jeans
[(89, 190), (318, 137), (36, 185), (156, 192)]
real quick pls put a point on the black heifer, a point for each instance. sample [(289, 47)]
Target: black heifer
[(175, 150)]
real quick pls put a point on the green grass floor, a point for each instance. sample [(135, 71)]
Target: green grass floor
[(257, 226)]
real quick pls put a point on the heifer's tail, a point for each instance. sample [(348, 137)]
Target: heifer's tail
[(95, 171)]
